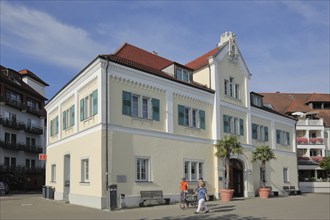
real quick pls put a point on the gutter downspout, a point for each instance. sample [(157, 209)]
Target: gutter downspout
[(106, 128)]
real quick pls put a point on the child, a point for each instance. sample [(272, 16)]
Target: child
[(183, 191), (201, 197)]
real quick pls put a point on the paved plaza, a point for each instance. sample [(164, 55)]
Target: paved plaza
[(305, 206)]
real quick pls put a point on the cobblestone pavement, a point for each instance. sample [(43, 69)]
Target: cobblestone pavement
[(306, 206)]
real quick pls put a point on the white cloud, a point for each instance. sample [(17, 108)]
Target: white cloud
[(310, 12), (40, 35)]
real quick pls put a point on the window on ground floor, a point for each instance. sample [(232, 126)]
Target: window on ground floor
[(142, 169), (193, 170), (85, 170), (285, 175), (53, 173)]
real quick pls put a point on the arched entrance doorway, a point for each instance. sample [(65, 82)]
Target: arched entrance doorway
[(236, 177)]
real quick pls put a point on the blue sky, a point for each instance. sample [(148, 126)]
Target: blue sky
[(285, 44)]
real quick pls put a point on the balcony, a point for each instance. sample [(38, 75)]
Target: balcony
[(19, 125), (18, 146), (12, 123), (310, 122), (30, 170), (34, 129), (303, 140), (35, 111), (15, 103)]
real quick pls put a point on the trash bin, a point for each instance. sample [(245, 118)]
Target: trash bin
[(113, 196), (43, 191), (50, 192)]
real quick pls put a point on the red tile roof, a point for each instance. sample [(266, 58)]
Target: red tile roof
[(140, 59), (288, 103), (202, 60), (138, 55), (315, 97)]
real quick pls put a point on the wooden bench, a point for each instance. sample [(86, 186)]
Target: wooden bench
[(291, 190), (155, 197)]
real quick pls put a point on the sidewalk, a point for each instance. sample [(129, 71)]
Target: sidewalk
[(306, 206)]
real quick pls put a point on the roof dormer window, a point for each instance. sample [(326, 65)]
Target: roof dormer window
[(182, 74)]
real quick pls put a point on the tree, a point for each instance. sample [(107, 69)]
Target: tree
[(227, 146), (264, 154), (325, 164)]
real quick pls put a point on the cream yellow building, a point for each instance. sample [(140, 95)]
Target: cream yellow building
[(142, 122)]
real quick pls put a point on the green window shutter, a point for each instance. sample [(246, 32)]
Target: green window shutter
[(64, 120), (180, 114), (56, 120), (254, 131), (202, 119), (266, 133), (95, 103), (226, 124), (287, 138), (155, 109), (241, 127), (72, 115), (278, 136), (51, 127), (82, 109), (126, 108)]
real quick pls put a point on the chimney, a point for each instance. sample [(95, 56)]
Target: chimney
[(225, 37)]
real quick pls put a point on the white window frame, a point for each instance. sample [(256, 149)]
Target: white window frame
[(85, 170), (146, 162), (286, 175), (53, 173), (141, 106), (183, 75), (231, 88), (198, 169)]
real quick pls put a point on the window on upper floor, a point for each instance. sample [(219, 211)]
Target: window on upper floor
[(233, 125), (256, 100), (10, 138), (54, 126), (31, 122), (182, 74), (259, 132), (13, 97), (282, 137), (33, 105), (89, 106), (231, 88), (139, 106), (68, 117), (30, 141), (10, 116), (191, 117)]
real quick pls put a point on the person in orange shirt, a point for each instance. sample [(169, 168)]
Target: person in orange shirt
[(183, 191)]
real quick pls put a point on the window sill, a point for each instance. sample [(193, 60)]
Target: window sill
[(143, 181), (84, 183), (142, 119)]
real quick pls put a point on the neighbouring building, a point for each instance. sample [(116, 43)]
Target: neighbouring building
[(22, 129), (139, 121), (312, 111)]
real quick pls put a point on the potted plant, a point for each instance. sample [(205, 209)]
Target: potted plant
[(264, 154), (226, 147)]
